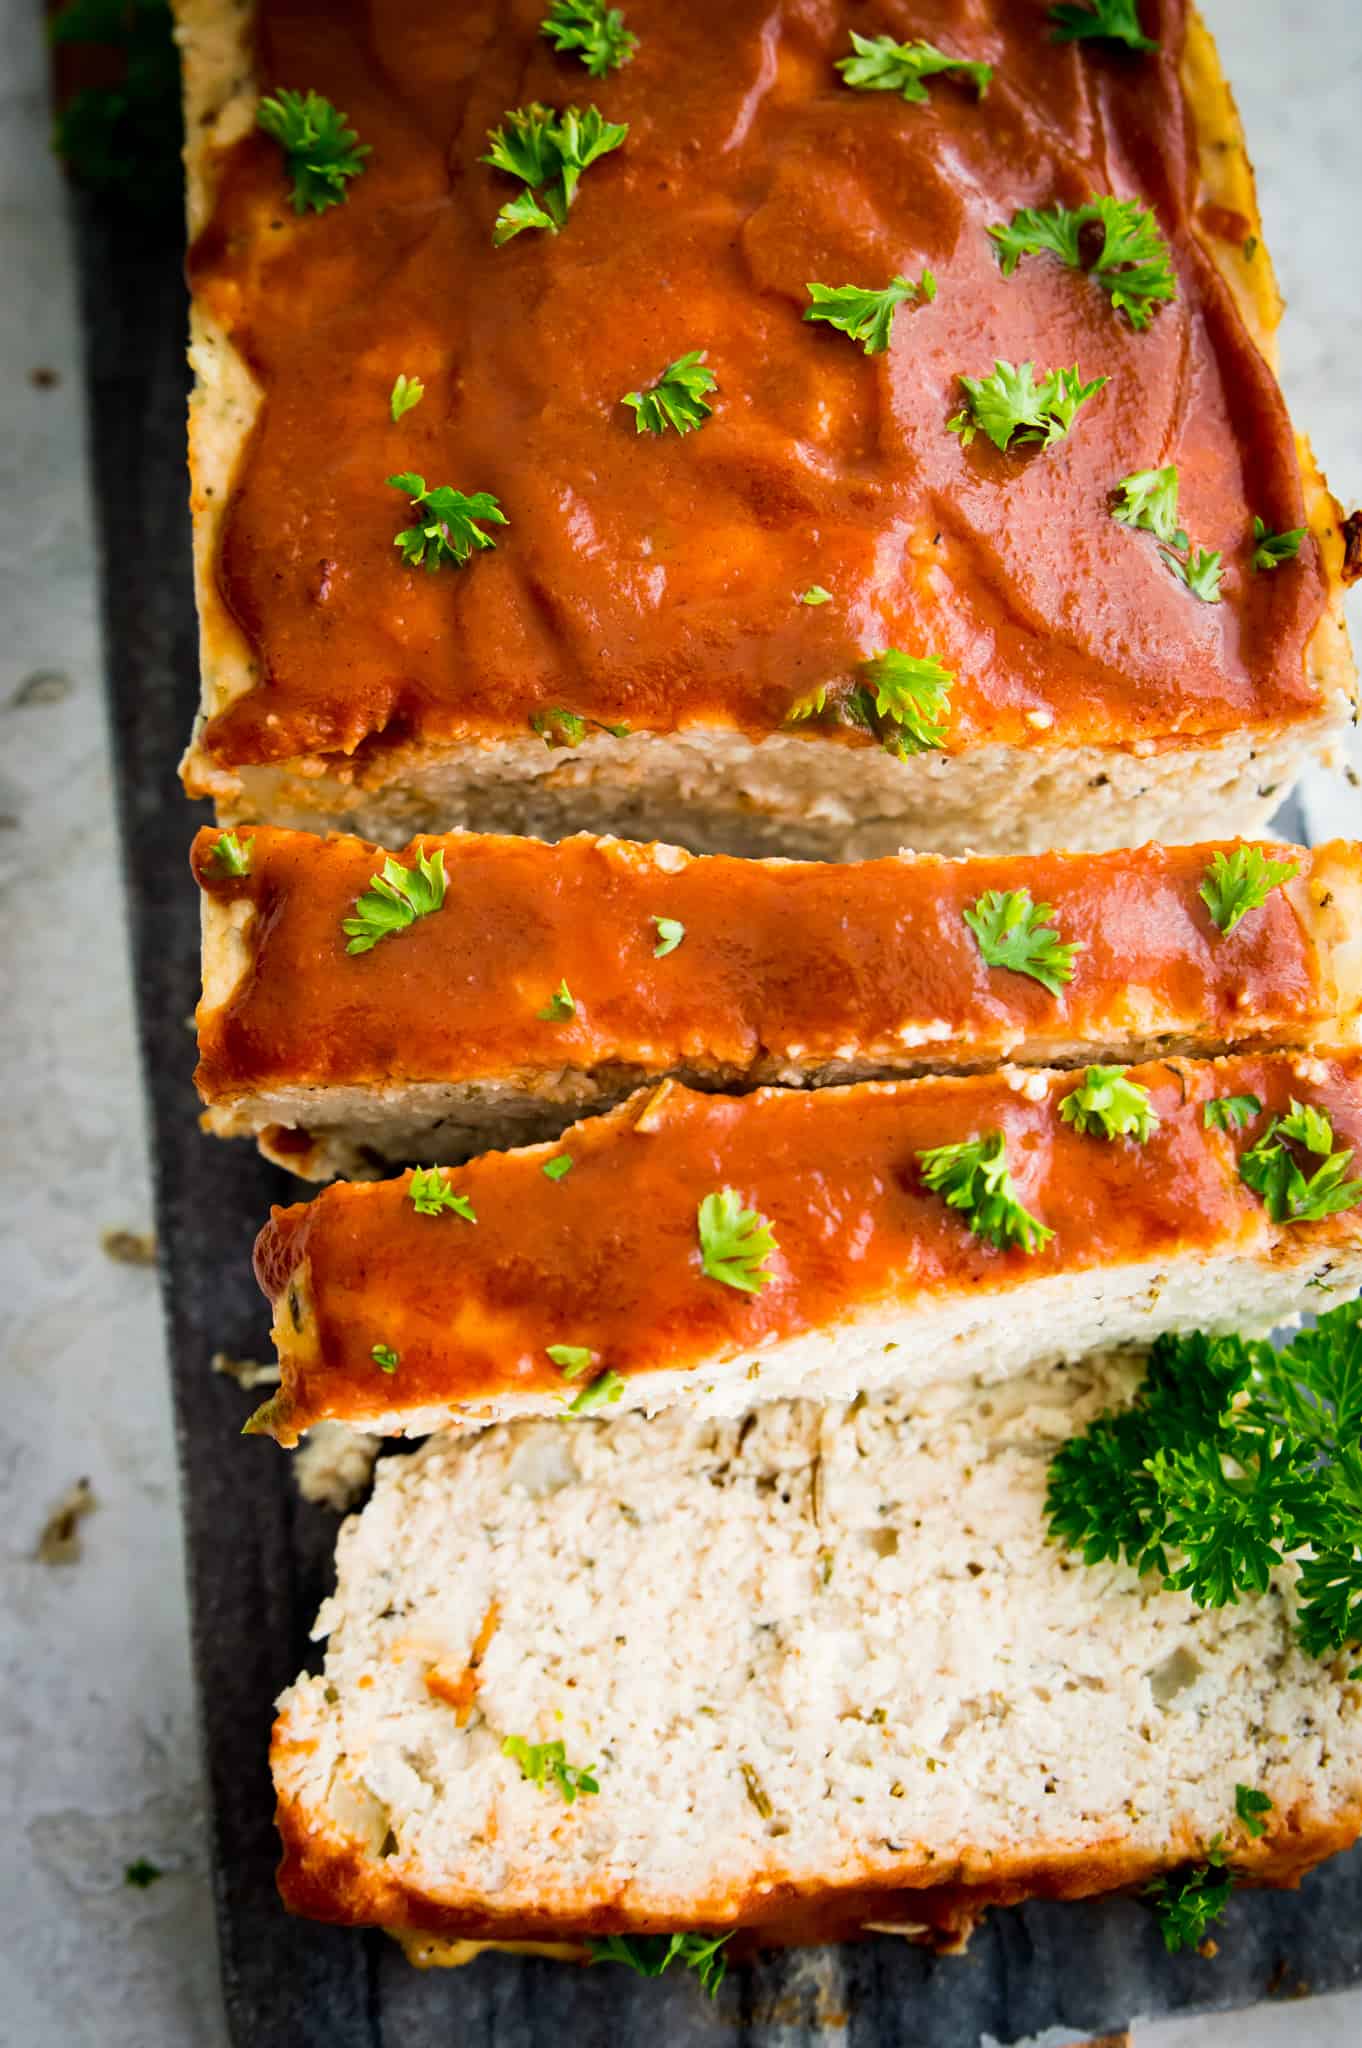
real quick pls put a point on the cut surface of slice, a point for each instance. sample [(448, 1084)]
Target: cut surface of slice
[(823, 1665), (1000, 662), (431, 1045), (710, 1250)]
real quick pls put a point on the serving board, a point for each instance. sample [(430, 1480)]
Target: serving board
[(259, 1558)]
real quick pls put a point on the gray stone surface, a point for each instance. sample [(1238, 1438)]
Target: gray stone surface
[(98, 1763)]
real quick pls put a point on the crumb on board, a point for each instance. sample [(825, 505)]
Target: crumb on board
[(142, 1873), (129, 1247), (247, 1372), (59, 1541)]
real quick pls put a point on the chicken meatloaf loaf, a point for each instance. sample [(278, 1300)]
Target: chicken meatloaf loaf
[(712, 1250), (347, 1039), (808, 431), (822, 1667)]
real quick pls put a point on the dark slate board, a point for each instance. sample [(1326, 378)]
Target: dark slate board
[(259, 1558)]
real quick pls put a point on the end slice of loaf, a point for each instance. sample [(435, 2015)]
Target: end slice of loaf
[(431, 1046), (402, 1321), (827, 1671)]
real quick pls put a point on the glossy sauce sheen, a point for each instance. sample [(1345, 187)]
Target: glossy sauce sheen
[(609, 1257), (796, 962), (653, 580)]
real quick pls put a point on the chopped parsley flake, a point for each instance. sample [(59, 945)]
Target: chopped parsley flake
[(1250, 1805), (142, 1873), (559, 1005), (590, 30), (1274, 1174), (1014, 932), (814, 595), (1011, 406), (879, 64), (734, 1242), (1238, 882), (545, 1763), (321, 151), (547, 150), (557, 1168), (670, 932), (1270, 550), (385, 1358), (867, 316), (395, 899), (558, 727), (446, 529), (1109, 1106), (601, 1391), (649, 1955), (973, 1177), (1229, 1112), (572, 1360), (229, 855), (677, 400), (406, 392), (1115, 21), (430, 1193), (1133, 265)]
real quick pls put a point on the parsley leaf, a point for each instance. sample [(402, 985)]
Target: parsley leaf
[(592, 31), (607, 1388), (558, 727), (406, 392), (446, 530), (1229, 1112), (320, 149), (543, 1763), (879, 64), (1271, 1171), (1011, 406), (867, 316), (1133, 264), (1250, 1805), (670, 932), (229, 855), (430, 1192), (559, 1005), (648, 1955), (1188, 1901), (677, 399), (1270, 550), (1200, 571), (385, 1358), (973, 1177), (734, 1242), (142, 1873), (912, 693), (1149, 500), (572, 1360), (557, 1168), (1014, 932), (1109, 1106), (395, 899), (123, 134), (1115, 21), (815, 594), (1238, 882), (548, 150)]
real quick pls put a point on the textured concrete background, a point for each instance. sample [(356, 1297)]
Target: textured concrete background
[(97, 1743)]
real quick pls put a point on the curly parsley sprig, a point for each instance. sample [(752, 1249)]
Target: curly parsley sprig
[(1012, 931), (547, 150), (591, 31), (650, 1955), (903, 702), (395, 899), (867, 316), (679, 399), (446, 528), (1107, 1105), (1012, 405), (735, 1243), (1272, 1170), (1115, 21), (321, 151), (1132, 263), (1270, 550), (879, 64), (974, 1178), (1148, 501), (1240, 881)]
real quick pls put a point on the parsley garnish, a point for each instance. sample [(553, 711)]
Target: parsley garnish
[(558, 727), (1133, 265), (545, 1763), (912, 692), (406, 392), (1238, 882), (142, 1873), (815, 594), (1116, 21), (592, 31), (572, 1360), (320, 150), (124, 133), (867, 316), (446, 530), (230, 855), (1148, 499), (548, 151), (1188, 1901), (1232, 1458), (734, 1242), (1200, 571), (559, 1005), (430, 1192), (1011, 406), (648, 1955), (670, 932), (1271, 1171), (395, 899), (385, 1358), (1109, 1106), (677, 399), (607, 1388), (557, 1168), (1229, 1112), (1250, 1805), (1014, 932), (1270, 550), (882, 65), (973, 1177)]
